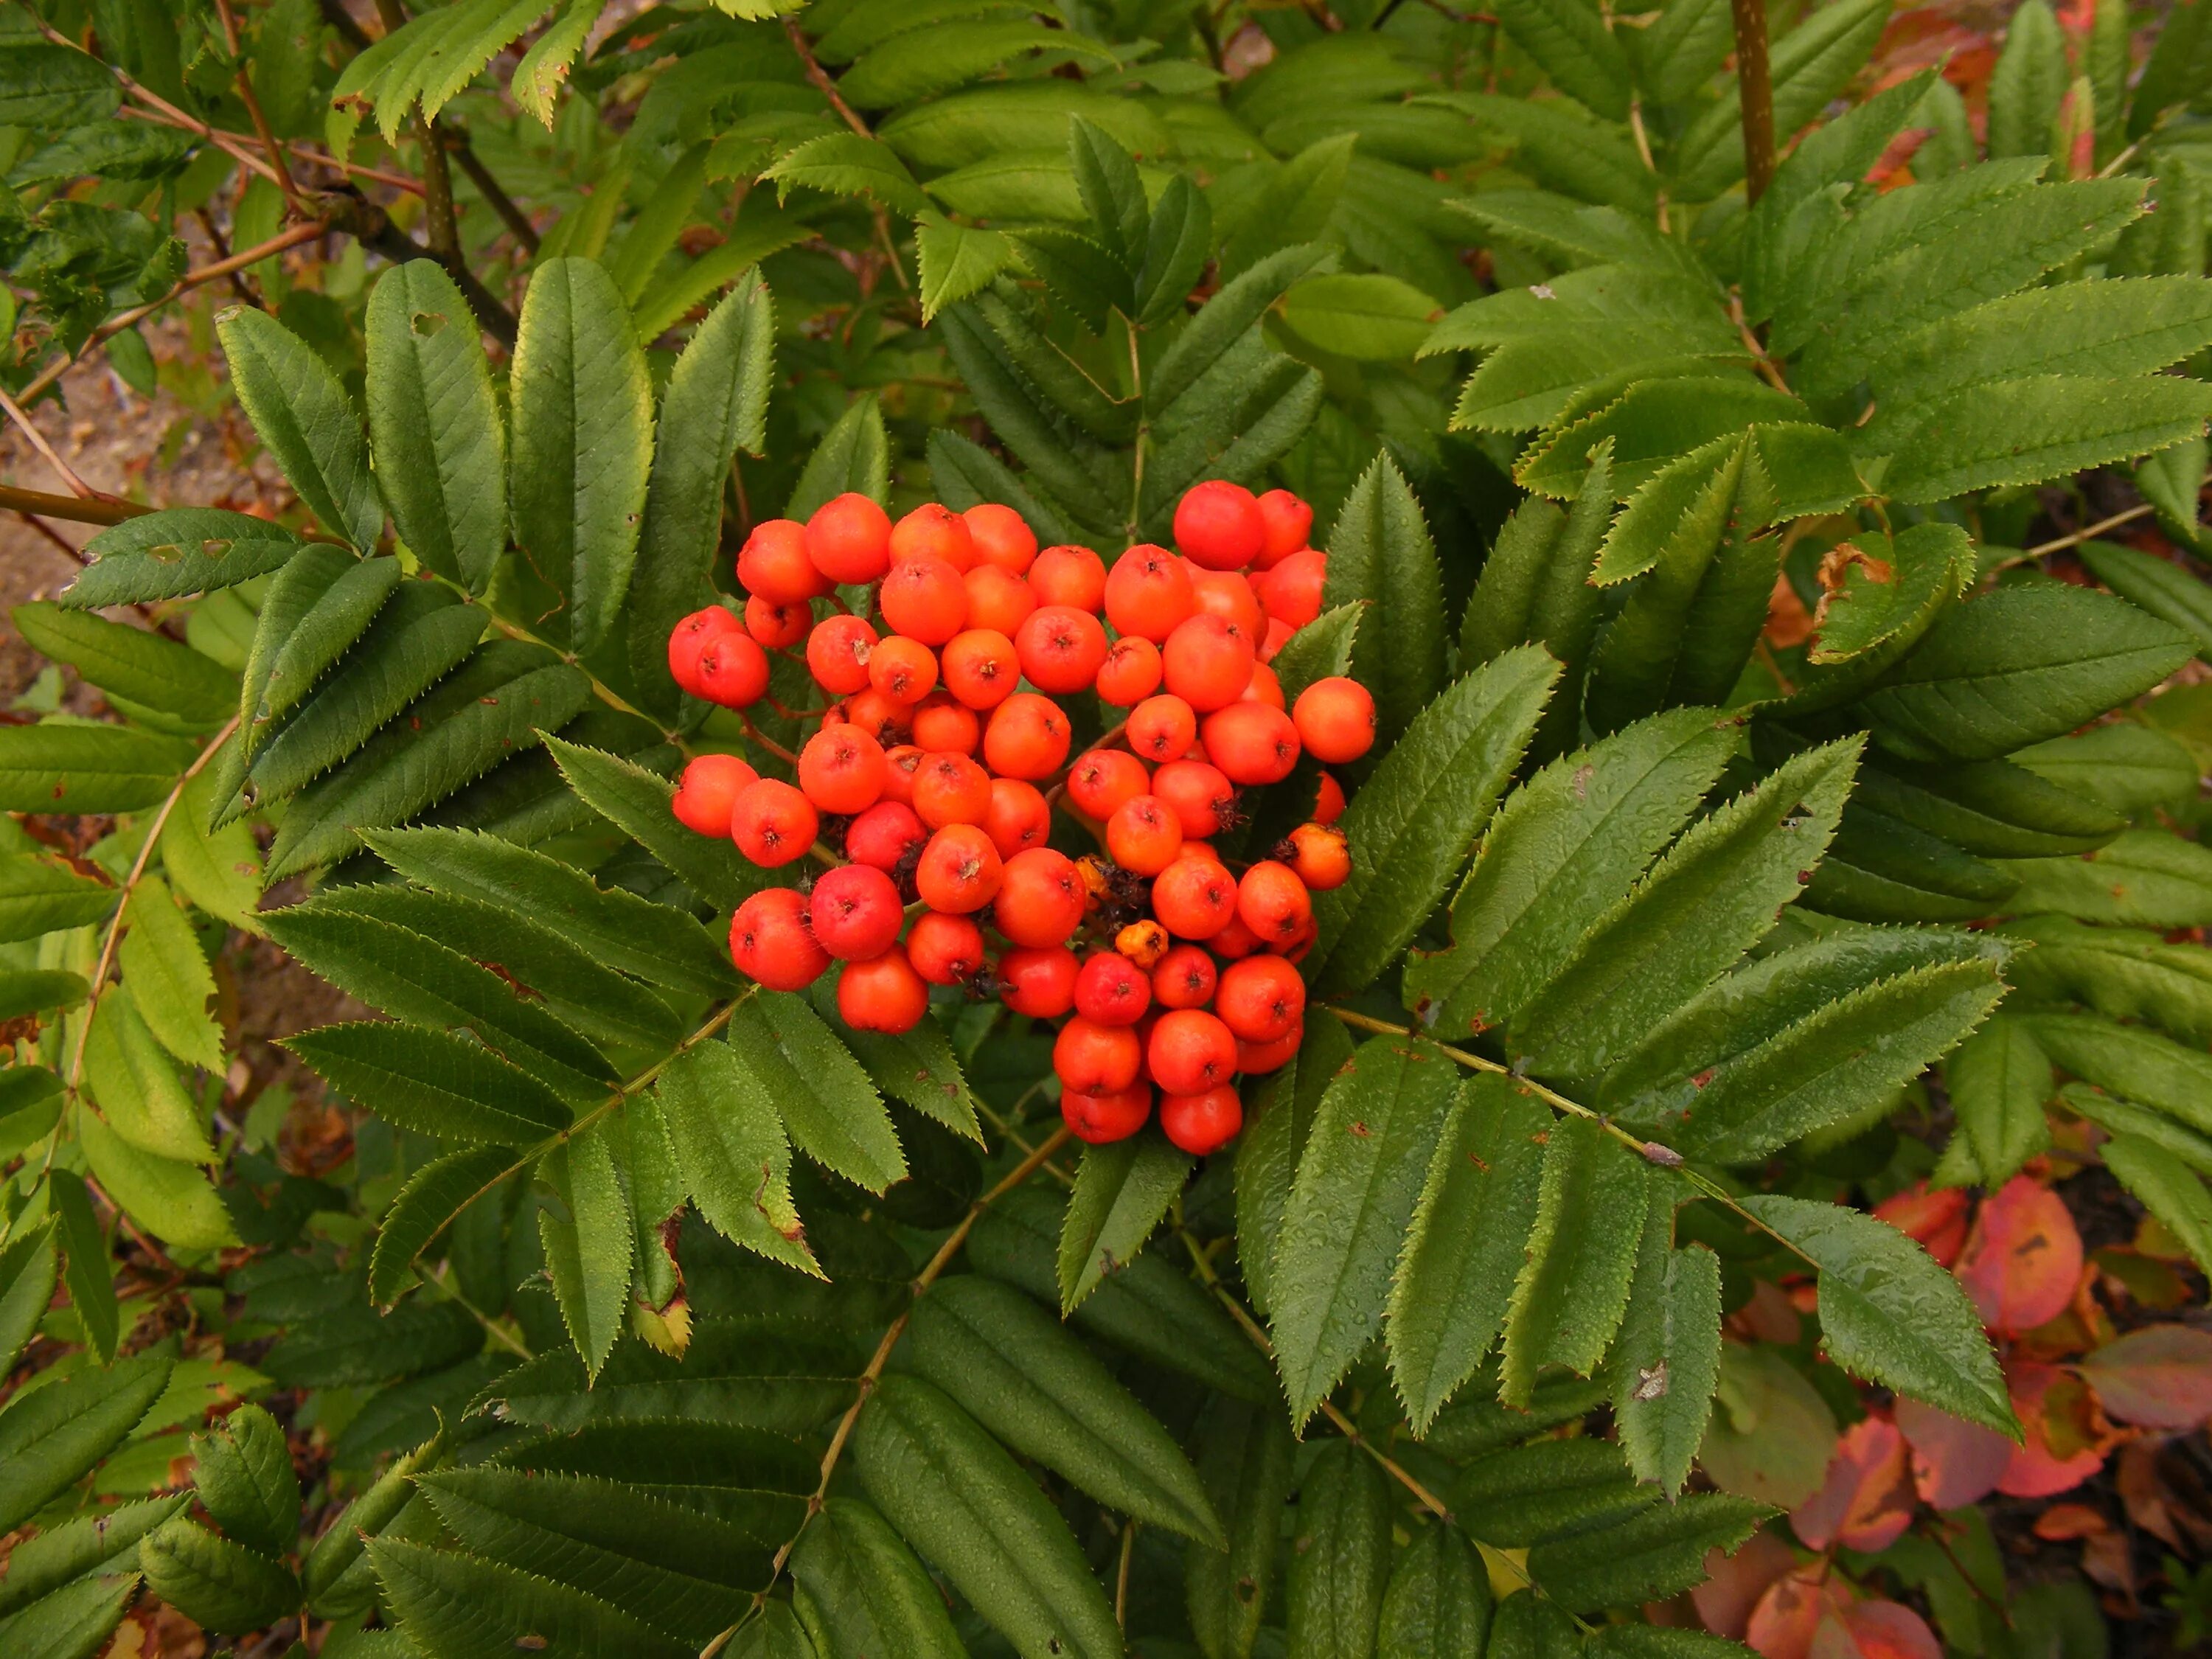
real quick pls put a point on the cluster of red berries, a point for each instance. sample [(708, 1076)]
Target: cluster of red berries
[(929, 791)]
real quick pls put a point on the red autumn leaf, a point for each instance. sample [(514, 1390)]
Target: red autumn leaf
[(2160, 1376), (1954, 1463), (1866, 1503), (2036, 1469), (2063, 1520), (1876, 1630), (2023, 1258), (1734, 1583), (1937, 1218), (1789, 1616)]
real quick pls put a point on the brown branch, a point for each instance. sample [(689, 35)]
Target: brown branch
[(489, 187), (100, 511), (1755, 84), (78, 486), (262, 130), (820, 77)]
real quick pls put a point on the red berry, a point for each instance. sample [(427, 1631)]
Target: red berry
[(709, 790), (1263, 687), (1073, 576), (886, 721), (733, 671), (933, 530), (692, 636), (1199, 795), (850, 539), (942, 725), (1227, 594), (1293, 590), (901, 762), (901, 669), (1100, 1120), (1027, 737), (1113, 990), (982, 668), (1190, 1051), (1273, 902), (1261, 998), (885, 835), (1019, 818), (1195, 897), (1148, 593), (1160, 729), (1185, 977), (951, 789), (1320, 856), (773, 823), (1130, 673), (960, 869), (945, 950), (997, 600), (772, 942), (778, 626), (884, 994), (1258, 1058), (1091, 1058), (1328, 800), (1251, 743), (1102, 779), (1236, 941), (1277, 636), (856, 912), (1040, 898), (837, 653), (1286, 524), (773, 564), (1335, 720), (1219, 525), (1208, 662), (925, 599), (1038, 980), (1202, 1123), (842, 769), (1144, 834), (1000, 537), (1061, 648)]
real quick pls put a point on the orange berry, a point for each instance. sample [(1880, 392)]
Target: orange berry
[(1184, 977), (1092, 1058), (924, 599), (997, 600), (1234, 941), (1258, 1058), (1143, 835), (1102, 779), (855, 912), (886, 721), (1277, 636), (945, 950), (773, 823), (1160, 729), (1261, 998), (1061, 648), (1148, 593), (1112, 990), (1018, 818), (1219, 525), (1200, 796), (901, 669), (982, 668), (1320, 856), (1273, 902), (1293, 590), (850, 539), (1194, 898), (1263, 687), (1072, 576), (950, 789), (1207, 662), (1190, 1051), (1101, 1119), (837, 653), (960, 869), (933, 530), (885, 835), (1251, 743), (1130, 673), (884, 994), (1286, 523), (1328, 799), (733, 671), (1227, 594), (772, 941), (1202, 1123), (773, 564), (1000, 536), (1027, 737), (1038, 980), (709, 790), (1335, 720), (691, 637), (778, 626), (842, 767), (901, 762), (1041, 897), (940, 724)]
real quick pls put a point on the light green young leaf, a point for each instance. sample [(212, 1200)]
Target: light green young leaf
[(582, 447), (1042, 1394), (1358, 1185), (217, 870), (172, 682), (89, 1271), (64, 766), (1416, 818), (1463, 1251), (135, 1086), (854, 455), (304, 416), (52, 1437), (2027, 84), (2173, 1193), (849, 164), (39, 894), (538, 76), (1888, 1313), (963, 1503), (436, 429), (29, 1270), (826, 1101), (171, 1199), (1573, 1286), (730, 1144), (171, 984), (1121, 1191), (1370, 317)]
